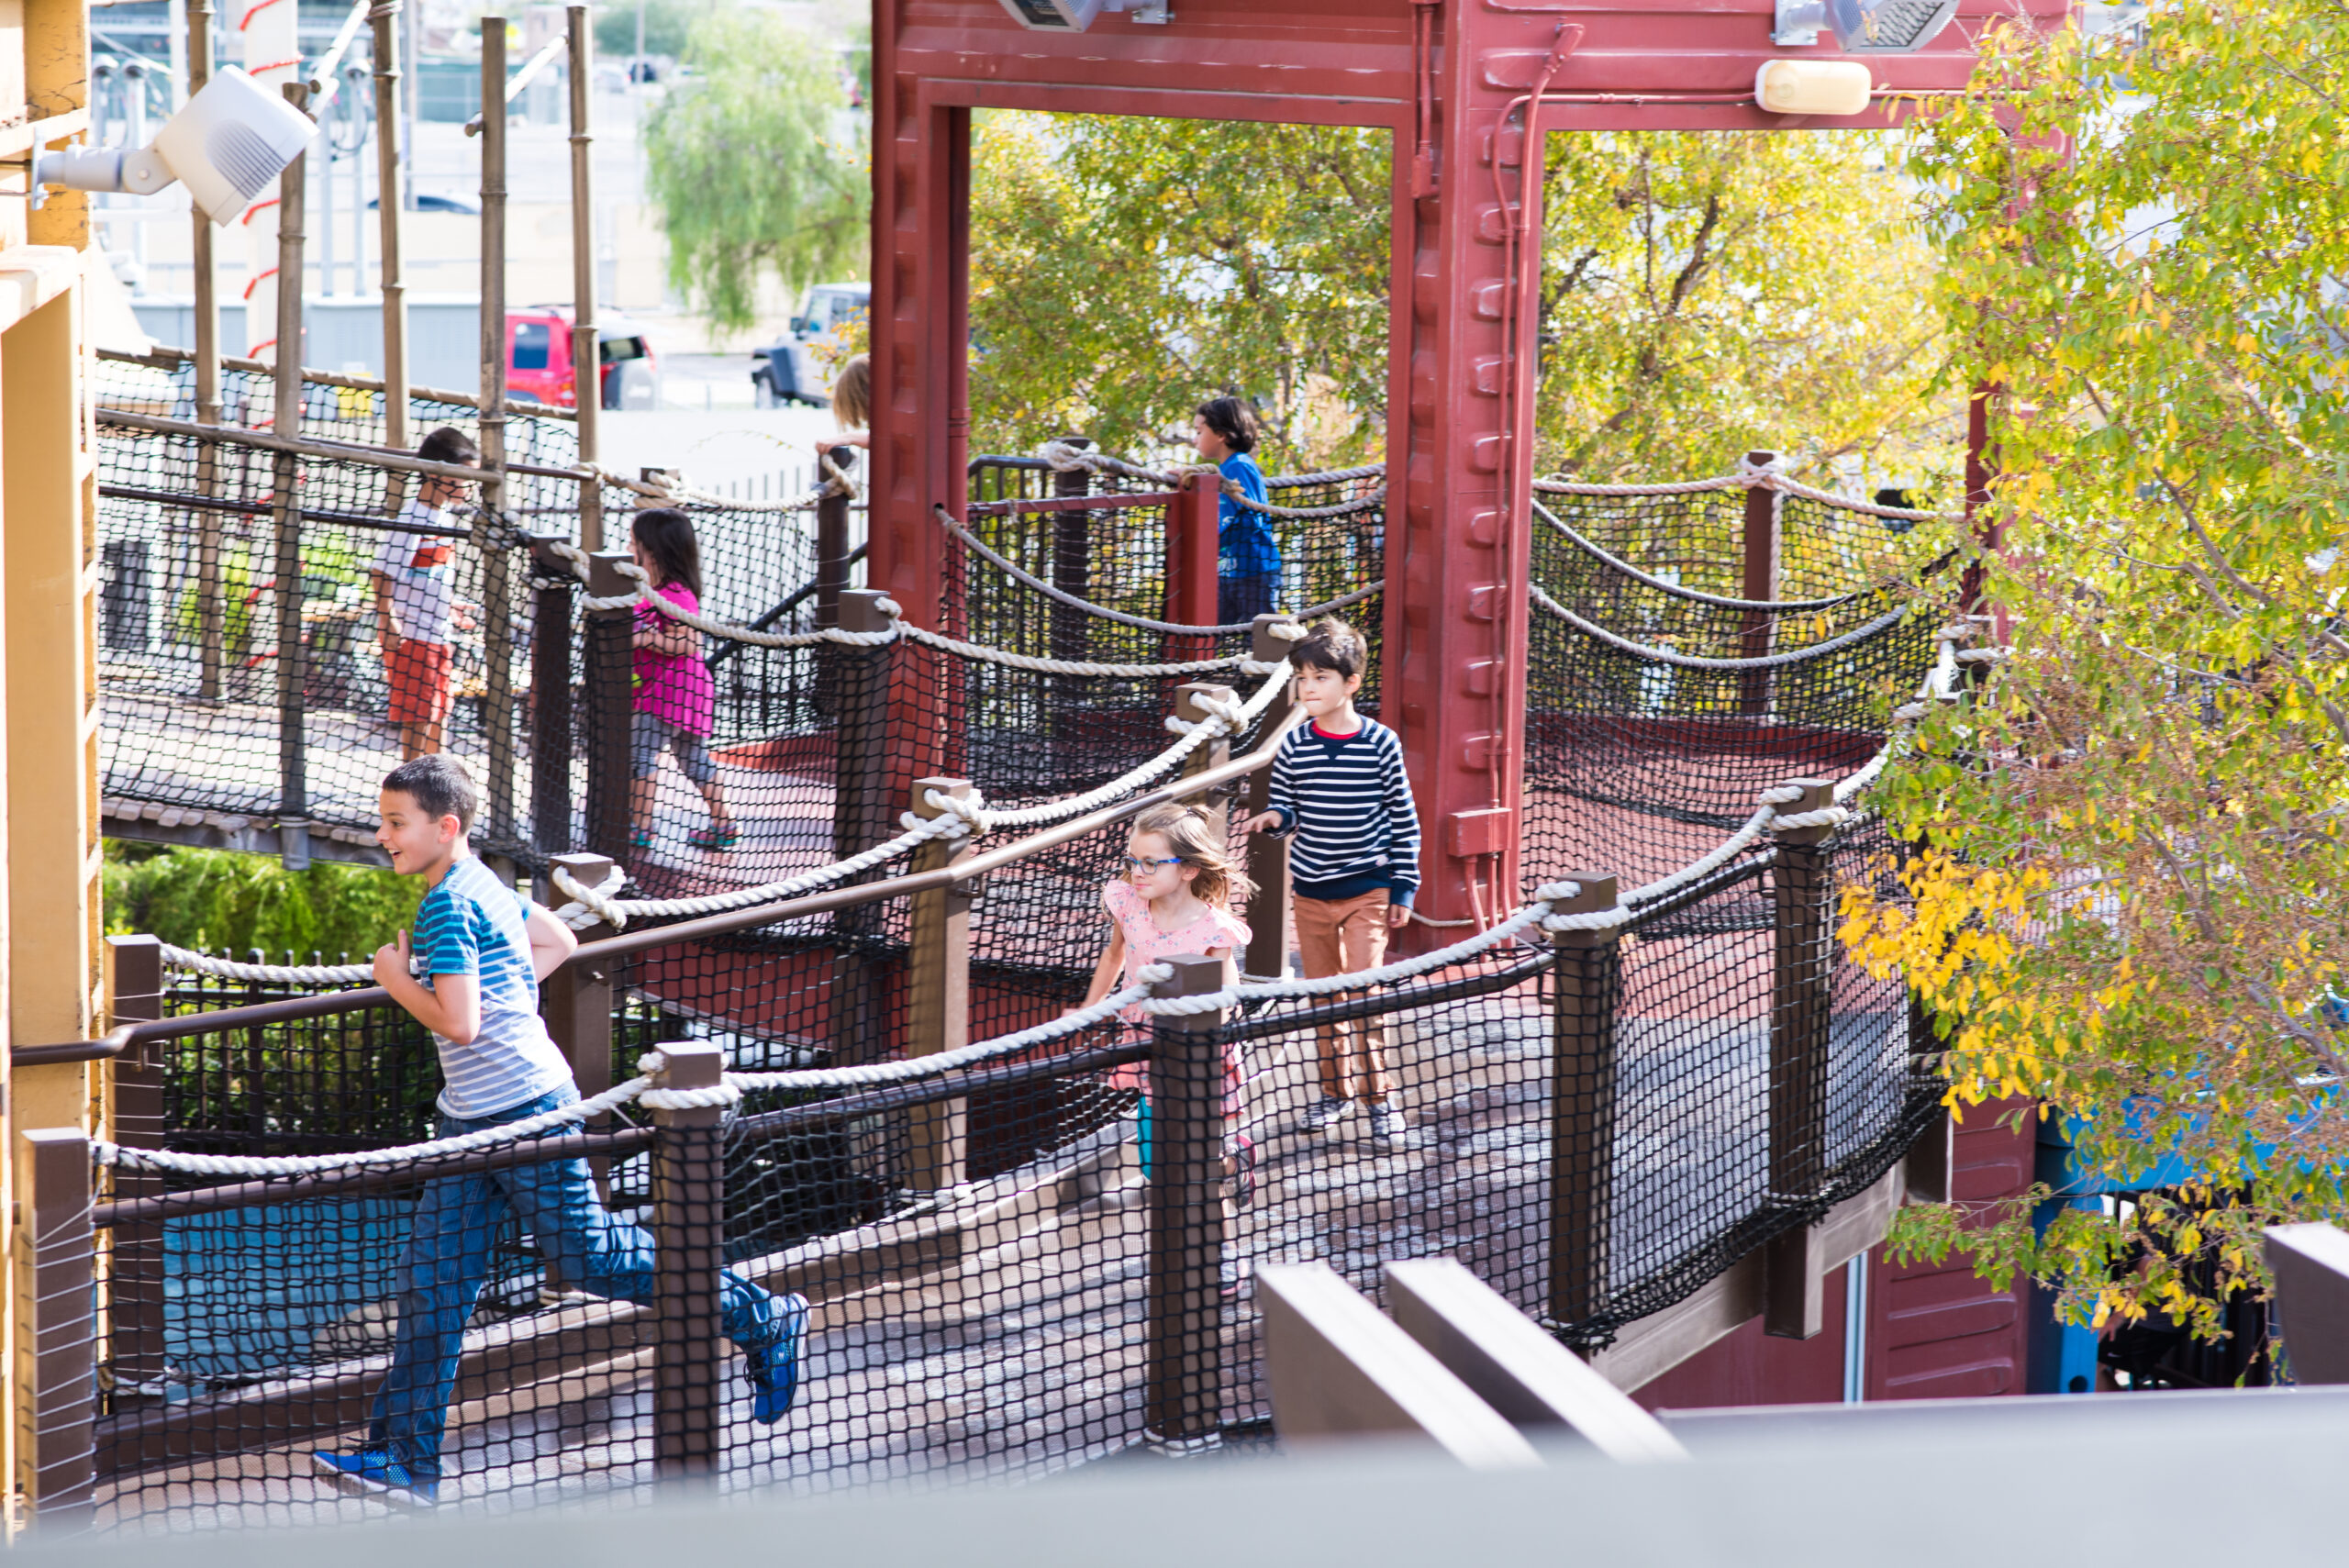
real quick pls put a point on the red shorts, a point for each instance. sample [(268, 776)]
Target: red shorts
[(418, 673)]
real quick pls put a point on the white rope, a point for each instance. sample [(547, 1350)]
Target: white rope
[(188, 960), (589, 905), (1749, 476), (1057, 666), (945, 827), (310, 1164), (1692, 662), (730, 630), (1143, 623), (917, 1068), (1067, 458)]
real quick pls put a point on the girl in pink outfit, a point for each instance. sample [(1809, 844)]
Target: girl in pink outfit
[(676, 700), (1176, 897)]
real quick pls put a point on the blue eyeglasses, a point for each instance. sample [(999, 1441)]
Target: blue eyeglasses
[(1135, 864)]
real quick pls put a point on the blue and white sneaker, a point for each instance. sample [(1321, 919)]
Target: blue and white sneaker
[(372, 1473), (774, 1370)]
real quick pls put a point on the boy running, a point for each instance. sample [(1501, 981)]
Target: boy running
[(1338, 784), (483, 949), (413, 600)]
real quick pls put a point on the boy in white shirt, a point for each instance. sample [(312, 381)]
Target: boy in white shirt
[(413, 602)]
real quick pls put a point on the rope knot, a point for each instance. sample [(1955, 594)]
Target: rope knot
[(589, 905)]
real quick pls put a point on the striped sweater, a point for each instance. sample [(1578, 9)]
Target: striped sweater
[(1349, 803)]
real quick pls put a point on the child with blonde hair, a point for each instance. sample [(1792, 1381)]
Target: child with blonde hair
[(1176, 897)]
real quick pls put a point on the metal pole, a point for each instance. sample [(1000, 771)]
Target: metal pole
[(210, 622), (551, 742), (1802, 886), (389, 202), (1587, 983), (689, 1237), (1182, 1398), (1761, 584), (604, 649), (498, 624), (134, 1302), (586, 358), (293, 758), (54, 1167)]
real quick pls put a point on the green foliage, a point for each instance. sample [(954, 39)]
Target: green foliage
[(2133, 911), (668, 24), (1705, 293), (212, 899), (1123, 270), (754, 167)]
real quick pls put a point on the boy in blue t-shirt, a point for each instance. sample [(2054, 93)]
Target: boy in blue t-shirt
[(482, 949), (1247, 557)]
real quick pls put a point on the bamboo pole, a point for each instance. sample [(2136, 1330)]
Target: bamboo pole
[(389, 205), (210, 622), (498, 624), (293, 754), (586, 358)]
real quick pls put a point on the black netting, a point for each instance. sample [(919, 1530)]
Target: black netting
[(1636, 765)]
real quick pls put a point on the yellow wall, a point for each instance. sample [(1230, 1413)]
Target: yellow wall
[(50, 919)]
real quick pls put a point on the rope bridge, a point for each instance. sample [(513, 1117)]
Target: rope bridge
[(1614, 1090)]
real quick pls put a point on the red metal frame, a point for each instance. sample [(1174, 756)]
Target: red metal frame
[(1441, 76)]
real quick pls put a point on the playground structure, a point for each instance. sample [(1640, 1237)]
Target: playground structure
[(1651, 1100)]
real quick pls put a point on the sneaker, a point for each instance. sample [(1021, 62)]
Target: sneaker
[(1323, 1113), (1243, 1170), (774, 1370), (1387, 1123), (640, 839), (372, 1473), (724, 838)]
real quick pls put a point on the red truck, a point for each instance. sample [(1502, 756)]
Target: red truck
[(539, 362)]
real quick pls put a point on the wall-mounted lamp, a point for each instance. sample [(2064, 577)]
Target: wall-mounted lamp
[(1075, 16), (1812, 87), (1861, 26)]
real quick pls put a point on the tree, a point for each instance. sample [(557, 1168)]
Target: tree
[(755, 167), (1123, 269), (1708, 294), (668, 24), (2131, 906)]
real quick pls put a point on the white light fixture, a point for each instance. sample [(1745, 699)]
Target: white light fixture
[(1812, 87), (1863, 27), (225, 146), (1075, 16)]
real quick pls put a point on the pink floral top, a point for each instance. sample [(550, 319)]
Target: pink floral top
[(1145, 944)]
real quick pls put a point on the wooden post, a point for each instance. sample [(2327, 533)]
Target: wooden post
[(938, 996), (1586, 991), (858, 679), (587, 347), (390, 205), (1802, 885), (550, 738), (1072, 556), (1183, 1399), (832, 548), (1760, 584), (497, 561), (609, 668), (210, 614), (1190, 565), (56, 1164), (1214, 753), (293, 748), (135, 1119), (689, 1240), (1268, 910)]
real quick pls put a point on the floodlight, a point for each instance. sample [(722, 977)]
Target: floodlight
[(1075, 16), (225, 146), (1863, 26)]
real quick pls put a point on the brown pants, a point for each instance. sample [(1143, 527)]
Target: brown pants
[(1338, 937)]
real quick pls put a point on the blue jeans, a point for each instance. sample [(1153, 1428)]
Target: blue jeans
[(1239, 599), (448, 1255)]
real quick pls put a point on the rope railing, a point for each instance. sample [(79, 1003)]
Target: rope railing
[(1616, 563), (1067, 458), (1696, 662), (1142, 623)]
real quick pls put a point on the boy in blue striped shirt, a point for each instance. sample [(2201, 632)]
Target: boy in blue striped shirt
[(481, 949), (1338, 786)]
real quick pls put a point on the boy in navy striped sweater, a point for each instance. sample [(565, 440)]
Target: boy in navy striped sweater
[(1338, 786)]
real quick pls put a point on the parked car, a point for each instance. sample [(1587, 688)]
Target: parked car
[(787, 371), (537, 358)]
